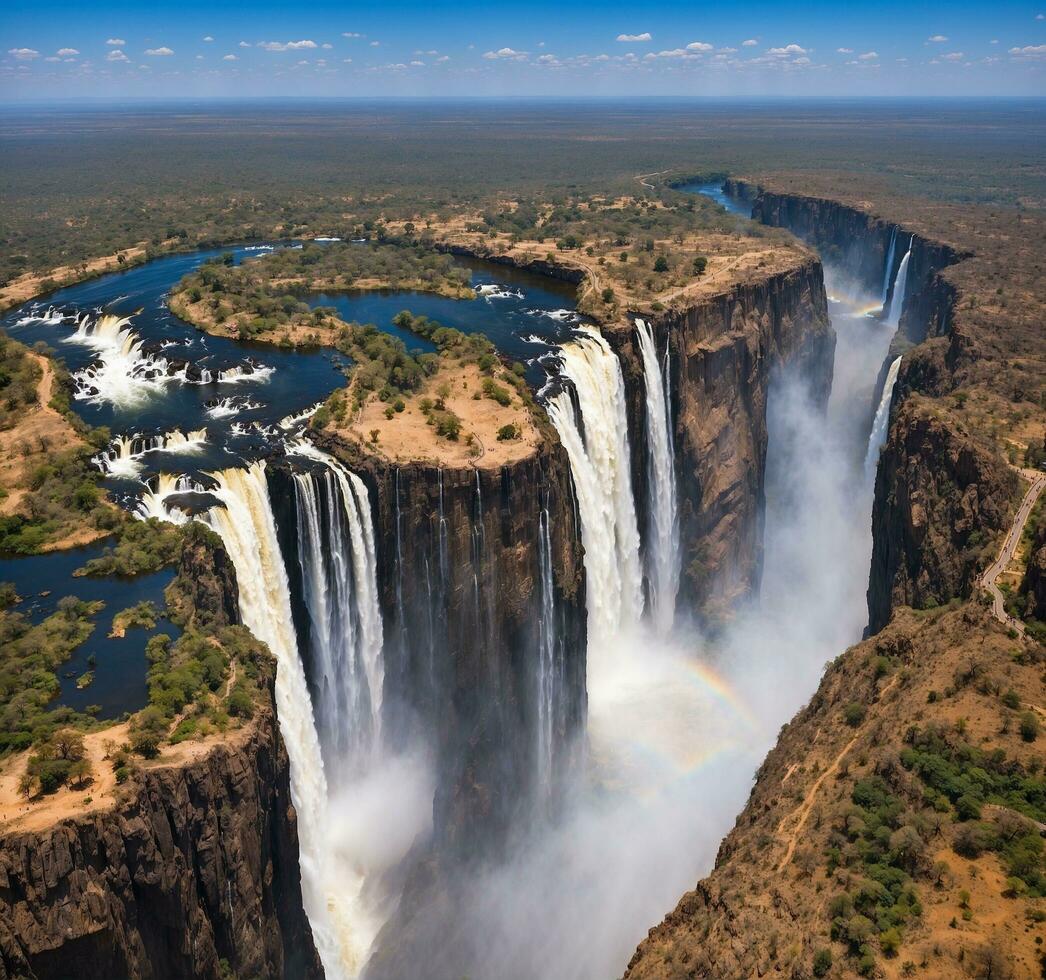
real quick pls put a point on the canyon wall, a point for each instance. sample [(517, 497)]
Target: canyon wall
[(193, 872), (941, 494), (723, 352), (460, 555)]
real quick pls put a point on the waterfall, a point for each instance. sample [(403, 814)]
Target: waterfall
[(123, 458), (889, 265), (881, 421), (339, 570), (158, 489), (900, 287), (600, 465), (246, 524), (663, 520), (550, 695)]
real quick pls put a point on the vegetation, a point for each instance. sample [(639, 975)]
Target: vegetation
[(19, 377), (140, 547)]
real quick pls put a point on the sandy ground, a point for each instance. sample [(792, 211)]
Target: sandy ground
[(408, 437)]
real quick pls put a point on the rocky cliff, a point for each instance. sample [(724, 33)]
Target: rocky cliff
[(192, 874), (723, 352)]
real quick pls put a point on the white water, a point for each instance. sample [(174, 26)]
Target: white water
[(153, 502), (889, 265), (900, 287), (246, 524), (882, 420), (222, 408), (663, 537), (123, 458), (339, 568), (600, 464)]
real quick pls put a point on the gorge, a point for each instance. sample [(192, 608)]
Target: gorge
[(487, 676)]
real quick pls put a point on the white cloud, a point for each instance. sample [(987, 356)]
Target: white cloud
[(994, 40), (116, 42), (52, 58), (375, 44), (65, 52), (417, 64), (869, 56), (159, 52), (508, 53), (750, 43), (352, 34), (24, 54), (844, 50), (442, 59), (671, 53), (727, 51), (953, 56), (230, 57), (430, 53), (347, 61), (699, 46), (1035, 51), (208, 38), (287, 45), (937, 39), (326, 47), (633, 38), (116, 56), (787, 51), (199, 57)]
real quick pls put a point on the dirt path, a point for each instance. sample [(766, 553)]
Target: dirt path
[(802, 813), (990, 578)]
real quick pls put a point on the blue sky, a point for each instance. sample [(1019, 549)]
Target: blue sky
[(264, 48)]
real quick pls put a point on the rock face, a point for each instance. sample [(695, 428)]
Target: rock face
[(1033, 588), (205, 588), (723, 353), (939, 499), (197, 865), (460, 564)]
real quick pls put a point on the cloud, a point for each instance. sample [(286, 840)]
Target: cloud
[(443, 59), (287, 45), (787, 51), (869, 56), (116, 56), (208, 38), (230, 57), (66, 52), (159, 52), (116, 42), (994, 40), (750, 43), (937, 39), (417, 64), (24, 54), (631, 38), (1040, 16), (503, 53), (1033, 51), (375, 44), (326, 47), (347, 61), (352, 34), (844, 50), (699, 46), (953, 56)]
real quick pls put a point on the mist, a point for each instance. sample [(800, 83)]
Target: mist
[(677, 727)]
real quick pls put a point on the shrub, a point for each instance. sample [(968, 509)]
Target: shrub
[(853, 714), (1029, 726), (822, 962)]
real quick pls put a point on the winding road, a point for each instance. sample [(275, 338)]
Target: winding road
[(1009, 546)]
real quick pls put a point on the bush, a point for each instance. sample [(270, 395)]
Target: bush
[(1029, 726), (853, 714), (661, 264), (822, 962), (507, 432)]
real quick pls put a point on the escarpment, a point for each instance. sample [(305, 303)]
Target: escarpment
[(722, 353), (473, 563), (193, 873)]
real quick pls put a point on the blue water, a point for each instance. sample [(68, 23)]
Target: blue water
[(119, 674), (717, 194), (517, 322)]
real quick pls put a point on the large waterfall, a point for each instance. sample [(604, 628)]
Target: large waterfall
[(882, 419), (888, 268), (663, 535), (600, 464), (248, 528), (900, 287), (339, 572)]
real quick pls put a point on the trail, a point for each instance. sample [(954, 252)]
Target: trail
[(802, 812), (1009, 546)]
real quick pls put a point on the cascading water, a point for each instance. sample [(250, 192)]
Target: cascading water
[(123, 458), (339, 569), (663, 536), (246, 525), (550, 668), (600, 465), (882, 419), (900, 287), (889, 265)]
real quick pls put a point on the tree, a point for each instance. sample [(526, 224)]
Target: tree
[(661, 264), (700, 263), (69, 745), (80, 772), (26, 782)]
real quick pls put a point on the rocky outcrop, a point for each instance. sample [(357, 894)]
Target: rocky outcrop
[(460, 555), (939, 500), (1033, 587), (194, 873), (204, 589), (723, 352)]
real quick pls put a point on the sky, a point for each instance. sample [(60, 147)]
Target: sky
[(88, 49)]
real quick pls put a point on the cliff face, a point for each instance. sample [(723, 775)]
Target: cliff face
[(723, 353), (939, 498), (461, 554), (197, 864)]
